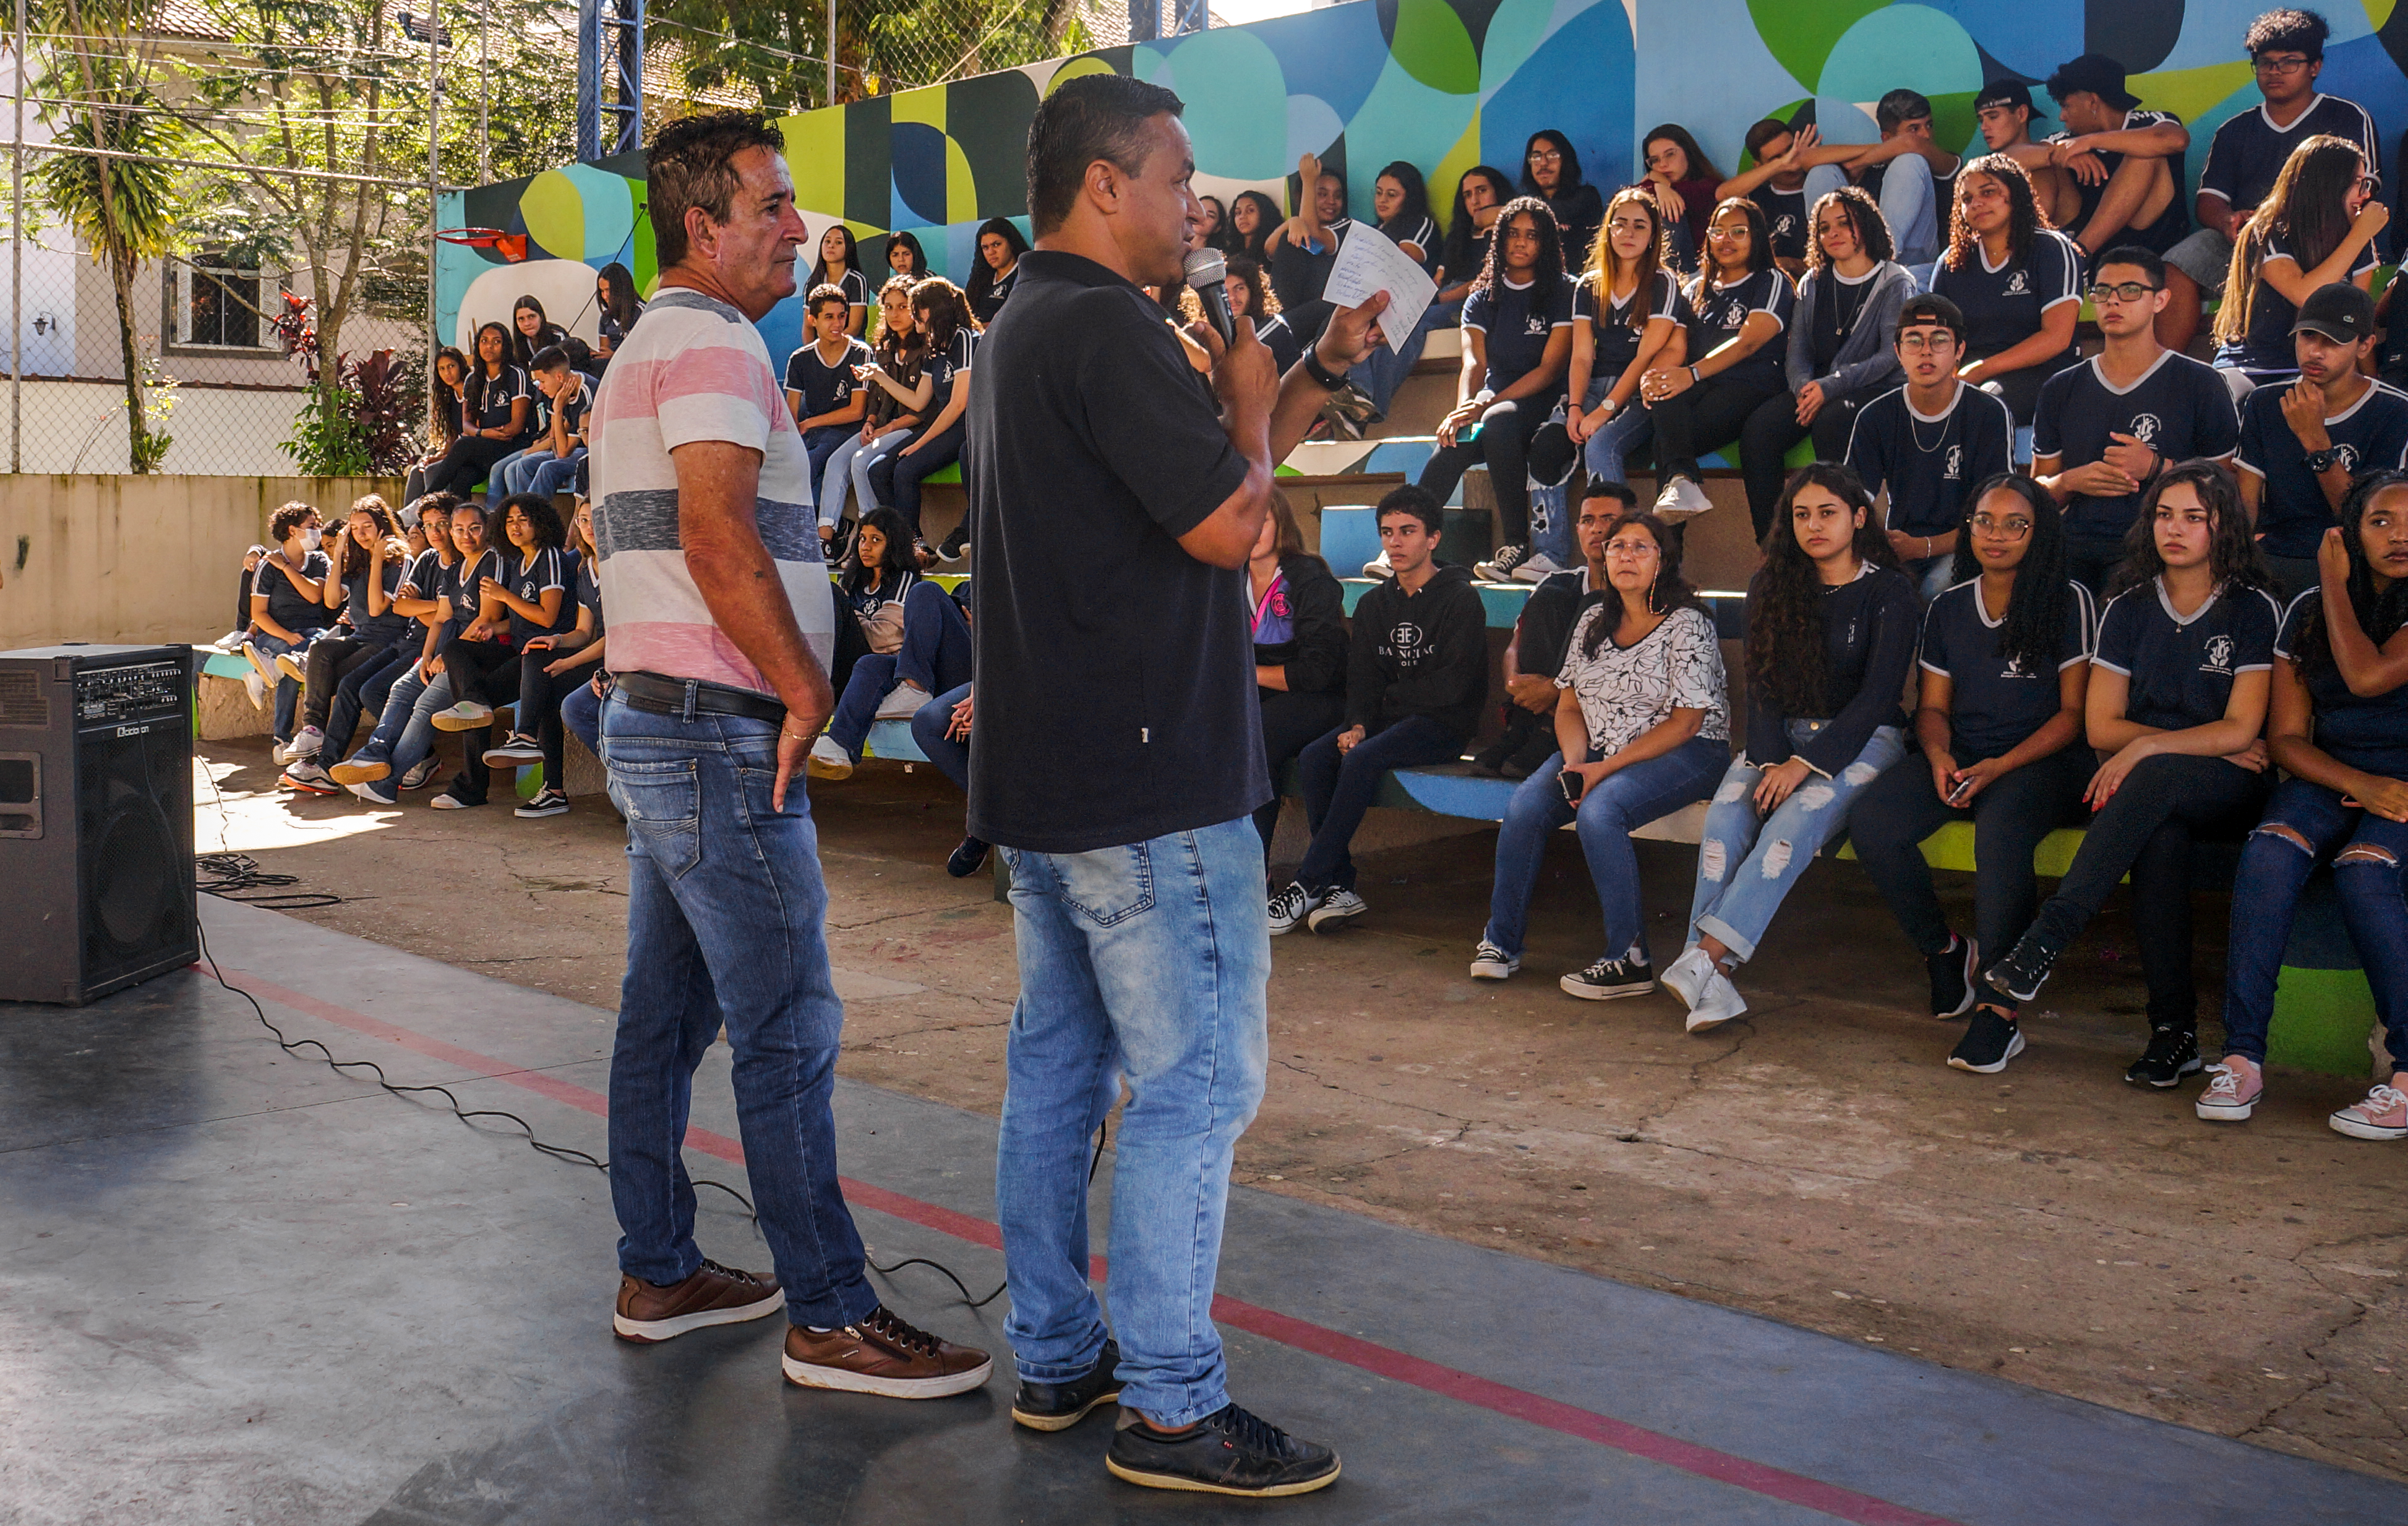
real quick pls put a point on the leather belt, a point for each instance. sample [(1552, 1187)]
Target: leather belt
[(688, 696)]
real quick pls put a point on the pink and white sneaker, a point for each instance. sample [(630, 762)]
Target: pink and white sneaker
[(2232, 1091), (2384, 1114)]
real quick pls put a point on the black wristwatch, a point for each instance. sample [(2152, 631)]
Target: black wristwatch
[(1330, 380), (2320, 462)]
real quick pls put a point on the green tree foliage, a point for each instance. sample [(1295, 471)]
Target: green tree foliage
[(881, 45)]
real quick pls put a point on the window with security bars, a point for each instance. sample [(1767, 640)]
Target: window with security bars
[(217, 307)]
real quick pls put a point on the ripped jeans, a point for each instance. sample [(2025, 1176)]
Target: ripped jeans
[(2367, 853), (1746, 863)]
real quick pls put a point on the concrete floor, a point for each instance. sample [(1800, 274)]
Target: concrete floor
[(1813, 1162), (245, 1288)]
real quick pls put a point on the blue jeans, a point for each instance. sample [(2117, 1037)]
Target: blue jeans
[(507, 473), (544, 474), (1908, 202), (1384, 370), (1630, 427), (725, 925), (374, 673), (1746, 863), (894, 480), (1629, 798), (580, 711), (288, 694), (821, 443), (1338, 789), (848, 469), (935, 656), (2266, 890), (1930, 575), (1148, 963), (952, 758)]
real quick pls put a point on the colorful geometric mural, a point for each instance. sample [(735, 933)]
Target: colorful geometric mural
[(1444, 84)]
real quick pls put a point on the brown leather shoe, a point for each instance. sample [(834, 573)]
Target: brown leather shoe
[(714, 1295), (883, 1355)]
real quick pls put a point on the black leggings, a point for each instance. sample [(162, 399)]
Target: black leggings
[(2010, 817), (1765, 439), (2147, 829), (1706, 415), (468, 459), (479, 667), (1291, 723), (1504, 444), (330, 660), (538, 712)]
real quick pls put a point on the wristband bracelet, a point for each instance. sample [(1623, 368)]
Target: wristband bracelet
[(1694, 377), (1329, 380)]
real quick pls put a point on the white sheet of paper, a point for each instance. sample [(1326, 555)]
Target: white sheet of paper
[(1370, 262)]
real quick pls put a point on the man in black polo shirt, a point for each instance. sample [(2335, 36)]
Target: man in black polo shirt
[(1116, 763)]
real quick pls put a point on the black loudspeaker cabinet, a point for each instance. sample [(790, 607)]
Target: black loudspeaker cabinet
[(95, 819)]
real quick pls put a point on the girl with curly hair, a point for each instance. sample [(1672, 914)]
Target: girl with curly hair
[(942, 312), (2339, 730), (2006, 665), (2177, 697), (2017, 281), (1830, 635)]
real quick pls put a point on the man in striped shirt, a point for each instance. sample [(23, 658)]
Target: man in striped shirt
[(721, 624)]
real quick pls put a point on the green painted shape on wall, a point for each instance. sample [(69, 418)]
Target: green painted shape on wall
[(1801, 36), (815, 158), (1432, 46), (2321, 1020)]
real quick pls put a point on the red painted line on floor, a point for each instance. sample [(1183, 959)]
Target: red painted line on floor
[(1320, 1340)]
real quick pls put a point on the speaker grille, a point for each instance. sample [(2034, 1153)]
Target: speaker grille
[(24, 698), (135, 868)]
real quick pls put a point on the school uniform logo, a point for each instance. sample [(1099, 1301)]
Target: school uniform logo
[(1783, 225), (1733, 315), (2146, 429), (2019, 284), (2347, 456), (2014, 668), (2219, 655), (1956, 468)]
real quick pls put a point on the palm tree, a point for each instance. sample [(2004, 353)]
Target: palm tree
[(120, 207)]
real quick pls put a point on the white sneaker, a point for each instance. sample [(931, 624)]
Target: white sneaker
[(1719, 1001), (420, 774), (1489, 962), (468, 715), (448, 801), (284, 753), (1537, 567), (309, 741), (902, 703), (289, 664), (256, 687), (1337, 909), (260, 665), (1378, 567), (1290, 907), (1685, 976), (1681, 499), (828, 760)]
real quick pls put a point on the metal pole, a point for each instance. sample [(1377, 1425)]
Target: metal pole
[(434, 180), (831, 58), (484, 94), (16, 261)]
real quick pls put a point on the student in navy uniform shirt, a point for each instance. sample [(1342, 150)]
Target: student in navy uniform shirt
[(2177, 697), (498, 413), (2005, 660), (2104, 428), (2287, 53), (2303, 441), (365, 566), (999, 249), (1777, 183), (1927, 442), (529, 597), (943, 314), (553, 670), (1738, 309), (2339, 730), (2140, 201), (1517, 341), (2317, 225), (566, 394), (288, 609), (1301, 251), (822, 393), (2017, 281), (1400, 201), (840, 266)]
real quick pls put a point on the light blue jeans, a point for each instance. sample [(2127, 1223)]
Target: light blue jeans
[(405, 733), (1629, 798), (504, 476), (1747, 863), (540, 472), (727, 917), (1908, 202), (848, 468), (1630, 427), (288, 694), (1149, 963)]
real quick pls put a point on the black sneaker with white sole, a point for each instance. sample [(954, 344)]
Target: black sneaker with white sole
[(1490, 962), (1337, 909), (546, 802), (1058, 1406), (1228, 1452), (420, 774), (1991, 1040), (2022, 972), (1951, 976), (1500, 568), (1290, 907), (2172, 1053), (1610, 978)]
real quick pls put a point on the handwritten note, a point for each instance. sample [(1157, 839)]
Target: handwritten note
[(1370, 262)]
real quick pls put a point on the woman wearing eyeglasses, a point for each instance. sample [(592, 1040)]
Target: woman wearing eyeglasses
[(2317, 226)]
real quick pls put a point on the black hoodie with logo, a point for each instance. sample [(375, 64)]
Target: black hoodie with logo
[(1424, 654)]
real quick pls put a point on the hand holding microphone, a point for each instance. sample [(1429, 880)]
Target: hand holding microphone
[(1208, 272)]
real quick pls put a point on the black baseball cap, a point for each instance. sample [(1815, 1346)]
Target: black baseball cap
[(2096, 73), (1925, 311), (2007, 92), (2339, 311)]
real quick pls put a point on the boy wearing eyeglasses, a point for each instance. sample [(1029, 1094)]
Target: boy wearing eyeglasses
[(2286, 51), (2107, 428)]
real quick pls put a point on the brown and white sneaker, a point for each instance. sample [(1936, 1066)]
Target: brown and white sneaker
[(882, 1355), (714, 1295)]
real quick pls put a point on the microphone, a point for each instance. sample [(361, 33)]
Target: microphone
[(1206, 272)]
